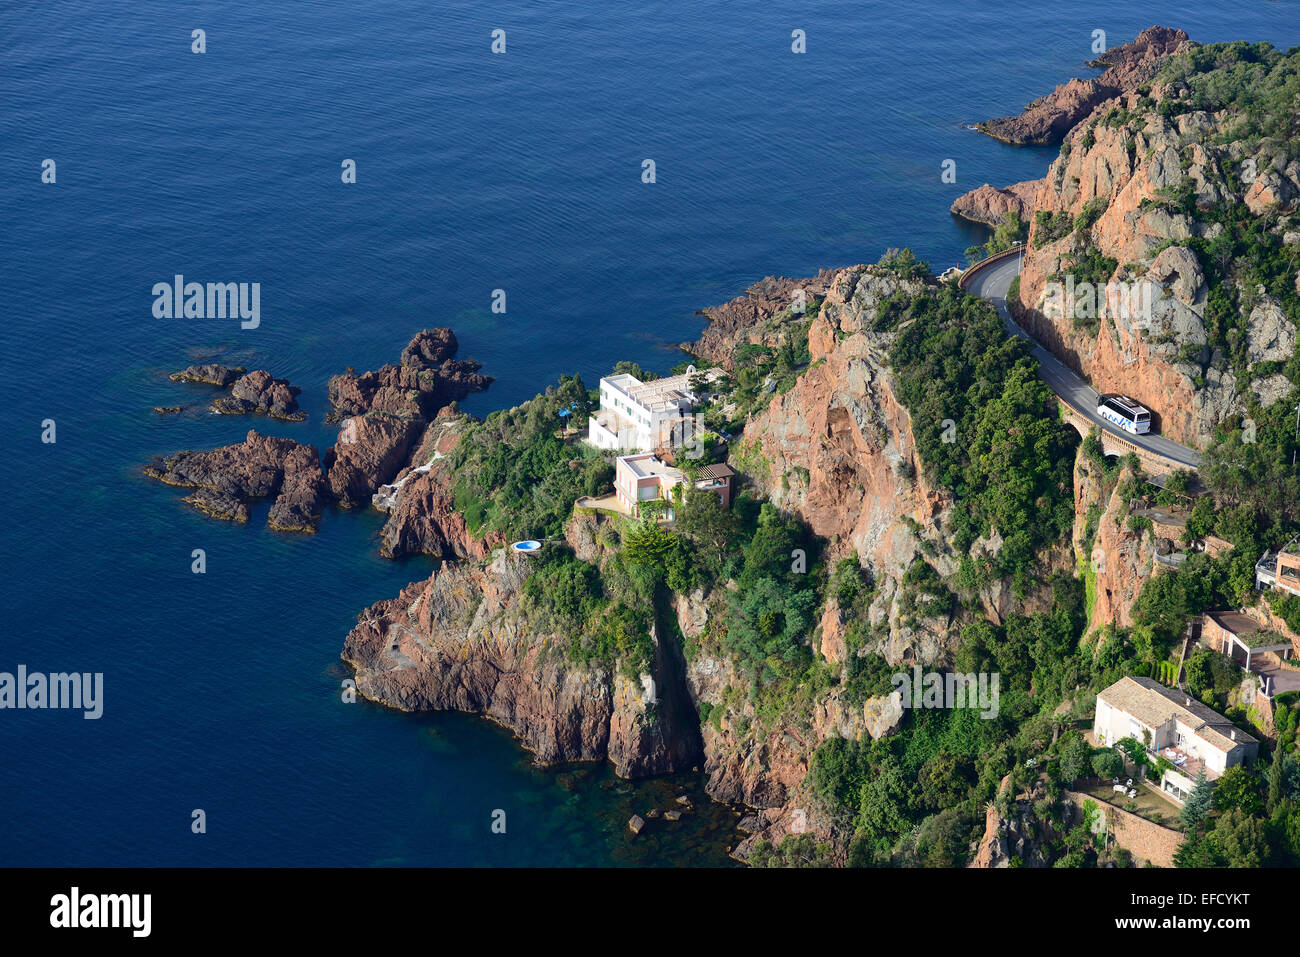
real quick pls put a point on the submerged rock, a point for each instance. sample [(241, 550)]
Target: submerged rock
[(218, 504)]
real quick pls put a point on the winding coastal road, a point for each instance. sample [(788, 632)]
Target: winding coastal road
[(991, 282)]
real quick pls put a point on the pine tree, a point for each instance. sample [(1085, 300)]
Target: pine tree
[(1275, 780), (1198, 802)]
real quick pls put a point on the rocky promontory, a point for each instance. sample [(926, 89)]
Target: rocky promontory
[(384, 413), (988, 204), (1048, 119), (756, 316), (426, 378), (461, 641)]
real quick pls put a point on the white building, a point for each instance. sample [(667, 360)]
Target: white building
[(636, 416), (1172, 725)]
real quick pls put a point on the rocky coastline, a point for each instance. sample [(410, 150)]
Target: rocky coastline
[(837, 449), (1047, 120), (383, 416)]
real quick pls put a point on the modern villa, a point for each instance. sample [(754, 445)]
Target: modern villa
[(1174, 726), (636, 416), (1280, 569), (1257, 649), (645, 477)]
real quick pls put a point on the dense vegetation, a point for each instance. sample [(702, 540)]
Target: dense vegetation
[(1012, 230), (514, 472), (761, 370), (986, 427)]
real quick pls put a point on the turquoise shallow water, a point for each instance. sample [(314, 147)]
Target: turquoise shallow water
[(475, 172)]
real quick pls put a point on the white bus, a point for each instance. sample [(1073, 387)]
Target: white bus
[(1124, 412)]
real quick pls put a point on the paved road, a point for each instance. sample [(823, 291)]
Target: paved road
[(992, 284)]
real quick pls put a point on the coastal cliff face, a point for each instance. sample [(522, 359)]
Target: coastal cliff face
[(460, 641), (1143, 268), (1163, 356), (838, 451), (1116, 560), (420, 501)]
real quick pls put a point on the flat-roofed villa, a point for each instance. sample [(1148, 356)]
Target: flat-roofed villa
[(646, 477), (1175, 726), (636, 416), (1257, 649), (1280, 569)]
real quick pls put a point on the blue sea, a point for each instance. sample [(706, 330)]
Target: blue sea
[(475, 172)]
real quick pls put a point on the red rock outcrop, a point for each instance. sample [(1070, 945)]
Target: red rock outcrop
[(749, 318), (838, 451), (257, 468), (1050, 118), (460, 641), (426, 379), (420, 501), (425, 521), (1108, 194), (371, 448), (1118, 560), (987, 204), (258, 392), (382, 413)]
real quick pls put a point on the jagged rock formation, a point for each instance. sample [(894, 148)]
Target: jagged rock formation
[(420, 501), (426, 378), (754, 317), (1108, 195), (260, 467), (1118, 559), (1167, 360), (383, 413), (1048, 119), (383, 416), (1021, 835), (258, 392)]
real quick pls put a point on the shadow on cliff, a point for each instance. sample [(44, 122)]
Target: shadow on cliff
[(681, 720)]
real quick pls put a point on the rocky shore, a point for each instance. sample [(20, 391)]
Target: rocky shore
[(383, 416), (460, 641), (1048, 119), (988, 204), (836, 448)]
